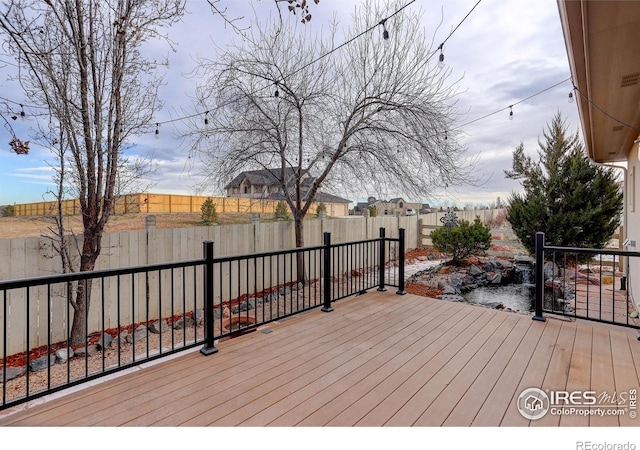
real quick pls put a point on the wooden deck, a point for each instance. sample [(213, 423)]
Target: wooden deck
[(377, 359)]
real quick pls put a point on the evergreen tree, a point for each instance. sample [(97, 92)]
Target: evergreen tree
[(463, 240), (574, 201), (209, 212)]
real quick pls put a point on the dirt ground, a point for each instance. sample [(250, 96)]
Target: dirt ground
[(20, 227)]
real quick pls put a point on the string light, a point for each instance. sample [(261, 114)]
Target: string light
[(22, 114), (570, 97), (335, 49), (276, 93), (206, 119), (157, 131), (385, 32), (510, 112), (445, 135), (441, 57)]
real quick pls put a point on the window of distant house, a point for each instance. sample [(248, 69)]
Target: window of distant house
[(246, 189), (400, 205), (386, 211)]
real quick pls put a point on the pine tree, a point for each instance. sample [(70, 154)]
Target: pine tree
[(574, 201)]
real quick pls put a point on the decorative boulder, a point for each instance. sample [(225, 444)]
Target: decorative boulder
[(63, 355), (106, 341), (42, 363)]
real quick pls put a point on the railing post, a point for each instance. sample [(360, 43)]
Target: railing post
[(539, 277), (209, 347), (401, 250), (382, 260), (327, 273)]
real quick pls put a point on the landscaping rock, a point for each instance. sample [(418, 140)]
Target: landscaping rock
[(550, 270), (634, 315), (42, 363), (475, 271), (495, 305), (245, 306), (138, 335), (12, 372), (496, 279), (490, 266), (159, 326), (285, 291), (450, 290), (199, 316), (63, 355), (105, 341), (89, 350), (188, 322)]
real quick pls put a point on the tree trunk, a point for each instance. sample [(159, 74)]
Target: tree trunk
[(301, 271), (82, 303)]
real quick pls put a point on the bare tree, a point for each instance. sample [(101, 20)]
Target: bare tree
[(374, 115), (83, 61)]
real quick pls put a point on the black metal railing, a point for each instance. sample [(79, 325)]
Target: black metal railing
[(142, 313), (583, 283)]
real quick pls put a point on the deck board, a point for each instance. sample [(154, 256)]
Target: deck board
[(579, 377), (473, 399), (377, 359)]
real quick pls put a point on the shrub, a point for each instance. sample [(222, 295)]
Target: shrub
[(321, 208), (209, 213), (282, 211), (8, 211), (463, 240)]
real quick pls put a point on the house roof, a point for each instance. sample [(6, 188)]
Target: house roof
[(263, 177)]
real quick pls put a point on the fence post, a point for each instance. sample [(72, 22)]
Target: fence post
[(382, 259), (209, 347), (401, 250), (539, 277), (327, 273)]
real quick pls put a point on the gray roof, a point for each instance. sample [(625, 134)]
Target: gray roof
[(264, 177)]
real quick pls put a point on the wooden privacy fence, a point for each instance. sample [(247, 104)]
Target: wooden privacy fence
[(430, 222), (164, 203)]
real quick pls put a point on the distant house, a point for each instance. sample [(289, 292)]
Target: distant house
[(391, 207), (262, 183), (267, 184)]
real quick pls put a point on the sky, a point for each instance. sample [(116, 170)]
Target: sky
[(504, 52)]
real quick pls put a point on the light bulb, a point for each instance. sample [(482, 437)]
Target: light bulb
[(441, 60), (157, 136), (570, 97), (206, 119), (511, 113), (22, 114)]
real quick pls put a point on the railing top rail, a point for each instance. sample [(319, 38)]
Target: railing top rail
[(590, 251), (69, 277), (76, 276)]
